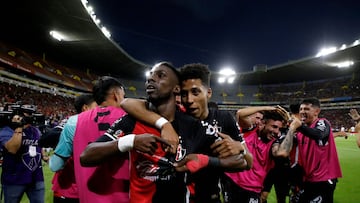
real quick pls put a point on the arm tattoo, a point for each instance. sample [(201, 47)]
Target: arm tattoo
[(284, 148), (287, 144)]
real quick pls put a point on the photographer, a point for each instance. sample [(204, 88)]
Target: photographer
[(22, 167)]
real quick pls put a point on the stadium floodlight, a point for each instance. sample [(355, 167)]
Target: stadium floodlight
[(221, 80), (356, 42), (93, 16), (343, 64), (343, 46), (226, 75), (326, 51), (147, 73), (57, 35), (106, 32), (84, 2)]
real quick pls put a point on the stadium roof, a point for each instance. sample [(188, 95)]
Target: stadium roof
[(26, 24)]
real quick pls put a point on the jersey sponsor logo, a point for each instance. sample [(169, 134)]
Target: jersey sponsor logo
[(211, 130), (151, 171)]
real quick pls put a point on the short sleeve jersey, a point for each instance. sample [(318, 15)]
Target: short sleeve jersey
[(153, 178)]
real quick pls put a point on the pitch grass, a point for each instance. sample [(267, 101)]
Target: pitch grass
[(347, 190)]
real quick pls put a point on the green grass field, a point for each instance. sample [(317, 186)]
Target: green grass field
[(347, 190)]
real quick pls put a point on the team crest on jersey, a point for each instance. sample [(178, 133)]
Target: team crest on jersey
[(180, 153)]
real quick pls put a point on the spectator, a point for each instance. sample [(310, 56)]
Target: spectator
[(356, 117), (107, 182), (22, 160)]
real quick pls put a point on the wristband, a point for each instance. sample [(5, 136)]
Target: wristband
[(126, 142), (160, 123), (214, 162), (195, 165)]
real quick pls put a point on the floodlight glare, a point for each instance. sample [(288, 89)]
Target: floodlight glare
[(57, 35), (231, 80), (326, 51), (221, 79), (344, 64), (147, 73), (356, 42), (227, 72), (106, 32), (226, 75)]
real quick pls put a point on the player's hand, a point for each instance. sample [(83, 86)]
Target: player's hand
[(168, 133), (148, 143), (295, 123), (354, 114), (226, 146), (285, 114)]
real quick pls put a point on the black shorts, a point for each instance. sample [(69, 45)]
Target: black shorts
[(236, 194), (319, 191)]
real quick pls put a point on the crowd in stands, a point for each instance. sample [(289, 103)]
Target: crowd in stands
[(57, 107), (44, 68), (54, 107), (331, 88)]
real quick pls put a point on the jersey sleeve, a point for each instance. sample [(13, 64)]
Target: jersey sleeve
[(122, 126), (231, 127), (65, 145)]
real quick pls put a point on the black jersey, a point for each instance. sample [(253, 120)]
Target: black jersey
[(153, 178), (207, 180)]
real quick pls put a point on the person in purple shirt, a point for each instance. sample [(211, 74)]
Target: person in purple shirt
[(22, 167)]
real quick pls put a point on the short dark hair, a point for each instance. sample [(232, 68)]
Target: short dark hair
[(312, 100), (171, 67), (196, 71), (273, 115), (102, 87), (81, 100), (294, 107)]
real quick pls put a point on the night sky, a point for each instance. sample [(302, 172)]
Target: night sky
[(232, 33)]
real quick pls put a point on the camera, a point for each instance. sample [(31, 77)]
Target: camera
[(26, 111)]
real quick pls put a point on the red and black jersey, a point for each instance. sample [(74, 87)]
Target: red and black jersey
[(153, 178)]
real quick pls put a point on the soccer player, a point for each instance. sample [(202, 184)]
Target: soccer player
[(107, 182), (195, 96), (317, 153), (153, 177)]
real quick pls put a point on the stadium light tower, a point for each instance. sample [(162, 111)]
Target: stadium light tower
[(227, 75)]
